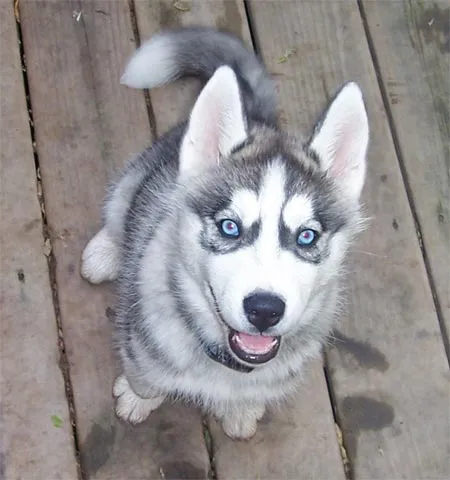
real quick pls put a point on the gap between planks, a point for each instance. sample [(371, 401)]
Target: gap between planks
[(137, 39), (51, 260), (346, 460)]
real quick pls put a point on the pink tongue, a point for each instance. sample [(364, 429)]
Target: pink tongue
[(255, 343)]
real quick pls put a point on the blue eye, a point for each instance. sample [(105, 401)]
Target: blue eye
[(229, 228), (306, 237)]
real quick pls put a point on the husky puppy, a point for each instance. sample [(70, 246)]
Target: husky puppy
[(226, 237)]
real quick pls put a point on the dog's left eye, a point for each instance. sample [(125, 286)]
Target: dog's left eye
[(307, 237), (229, 228)]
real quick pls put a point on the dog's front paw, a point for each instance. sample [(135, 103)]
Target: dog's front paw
[(131, 407), (241, 424), (100, 259)]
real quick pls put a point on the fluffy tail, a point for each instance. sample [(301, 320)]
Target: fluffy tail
[(199, 52)]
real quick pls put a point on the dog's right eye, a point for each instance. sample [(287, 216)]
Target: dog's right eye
[(229, 228), (307, 237)]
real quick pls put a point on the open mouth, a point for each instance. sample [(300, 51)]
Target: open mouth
[(255, 349)]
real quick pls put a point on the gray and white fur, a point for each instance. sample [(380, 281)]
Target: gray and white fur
[(227, 237)]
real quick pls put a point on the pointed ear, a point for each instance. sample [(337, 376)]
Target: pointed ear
[(216, 124), (341, 138)]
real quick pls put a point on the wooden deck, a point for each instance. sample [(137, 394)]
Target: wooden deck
[(379, 407)]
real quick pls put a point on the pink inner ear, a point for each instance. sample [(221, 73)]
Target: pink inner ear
[(347, 149), (205, 134), (342, 153), (342, 140), (216, 123)]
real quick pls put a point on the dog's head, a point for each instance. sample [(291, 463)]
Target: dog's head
[(269, 217)]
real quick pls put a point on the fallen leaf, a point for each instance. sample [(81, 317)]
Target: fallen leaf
[(16, 10), (288, 53), (57, 421), (47, 247), (76, 14), (344, 455), (182, 6)]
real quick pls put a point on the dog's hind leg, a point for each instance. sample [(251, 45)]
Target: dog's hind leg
[(129, 405), (100, 259), (240, 422)]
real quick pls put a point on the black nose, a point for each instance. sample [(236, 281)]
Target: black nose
[(264, 310)]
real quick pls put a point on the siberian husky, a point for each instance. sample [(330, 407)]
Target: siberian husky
[(227, 237)]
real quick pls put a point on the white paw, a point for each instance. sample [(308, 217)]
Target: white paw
[(100, 259), (131, 407), (242, 424)]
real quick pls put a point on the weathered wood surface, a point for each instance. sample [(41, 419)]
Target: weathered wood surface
[(31, 382), (87, 125), (388, 365), (296, 441), (412, 44)]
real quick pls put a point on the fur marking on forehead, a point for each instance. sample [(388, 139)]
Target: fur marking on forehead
[(272, 192), (298, 210), (244, 203), (267, 202), (271, 198)]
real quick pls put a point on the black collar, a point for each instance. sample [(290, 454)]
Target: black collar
[(222, 356)]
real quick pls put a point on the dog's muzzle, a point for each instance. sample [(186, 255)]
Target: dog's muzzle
[(251, 349)]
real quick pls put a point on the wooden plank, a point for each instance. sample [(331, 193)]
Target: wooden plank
[(86, 127), (388, 366), (309, 416), (174, 102), (296, 441), (411, 41), (31, 383)]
